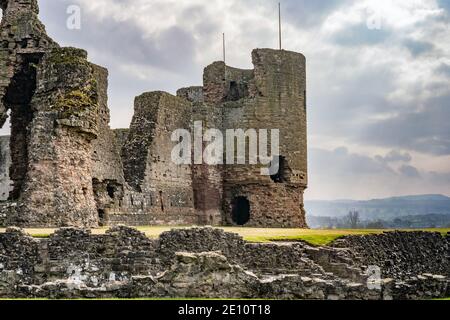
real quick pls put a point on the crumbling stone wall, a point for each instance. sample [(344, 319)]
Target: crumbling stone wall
[(23, 36), (58, 182), (53, 97), (107, 173), (394, 251), (161, 191), (24, 41), (207, 180), (5, 163), (208, 263)]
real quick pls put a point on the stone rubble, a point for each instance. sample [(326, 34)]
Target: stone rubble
[(210, 263)]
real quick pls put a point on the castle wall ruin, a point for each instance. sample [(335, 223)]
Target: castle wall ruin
[(65, 166), (210, 263)]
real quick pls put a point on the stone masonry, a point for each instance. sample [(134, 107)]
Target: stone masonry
[(209, 263), (64, 166)]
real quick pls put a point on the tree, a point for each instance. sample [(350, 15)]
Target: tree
[(353, 219)]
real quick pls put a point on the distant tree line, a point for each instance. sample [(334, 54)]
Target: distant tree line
[(353, 221)]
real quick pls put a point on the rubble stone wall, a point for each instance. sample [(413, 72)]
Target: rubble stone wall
[(5, 163), (206, 262), (53, 98), (161, 191), (107, 173), (58, 180), (207, 180), (394, 251)]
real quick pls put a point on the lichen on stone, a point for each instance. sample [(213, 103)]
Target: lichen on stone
[(68, 56), (82, 94), (76, 101)]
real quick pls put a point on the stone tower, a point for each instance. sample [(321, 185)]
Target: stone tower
[(271, 96), (53, 98)]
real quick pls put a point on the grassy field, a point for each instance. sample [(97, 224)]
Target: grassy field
[(315, 237)]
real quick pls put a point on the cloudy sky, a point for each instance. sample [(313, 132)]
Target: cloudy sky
[(378, 75)]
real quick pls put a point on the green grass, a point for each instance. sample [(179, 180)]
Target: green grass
[(318, 240), (312, 236)]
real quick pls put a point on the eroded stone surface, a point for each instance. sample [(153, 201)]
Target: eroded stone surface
[(73, 263)]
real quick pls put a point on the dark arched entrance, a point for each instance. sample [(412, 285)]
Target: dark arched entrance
[(240, 213)]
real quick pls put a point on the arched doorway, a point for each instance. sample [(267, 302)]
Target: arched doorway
[(240, 213)]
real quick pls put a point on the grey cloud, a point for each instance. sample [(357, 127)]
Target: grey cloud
[(444, 69), (341, 162), (424, 131), (439, 178), (395, 156), (172, 49), (361, 93), (306, 13), (340, 174), (360, 35), (409, 171), (445, 4), (418, 47)]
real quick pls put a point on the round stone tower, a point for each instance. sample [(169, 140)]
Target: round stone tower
[(270, 97)]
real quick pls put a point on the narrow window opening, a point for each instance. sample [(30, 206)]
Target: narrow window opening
[(280, 176), (161, 200)]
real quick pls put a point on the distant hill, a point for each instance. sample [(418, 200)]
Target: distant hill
[(386, 209)]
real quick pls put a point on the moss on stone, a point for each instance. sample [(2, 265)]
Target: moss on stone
[(76, 101), (68, 56), (73, 100)]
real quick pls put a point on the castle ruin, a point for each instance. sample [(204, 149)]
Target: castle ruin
[(64, 165)]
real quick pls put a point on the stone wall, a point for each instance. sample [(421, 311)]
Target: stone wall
[(206, 262), (5, 163), (272, 96), (54, 101), (394, 251), (24, 41), (23, 36), (207, 180), (107, 173), (160, 191), (58, 180)]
